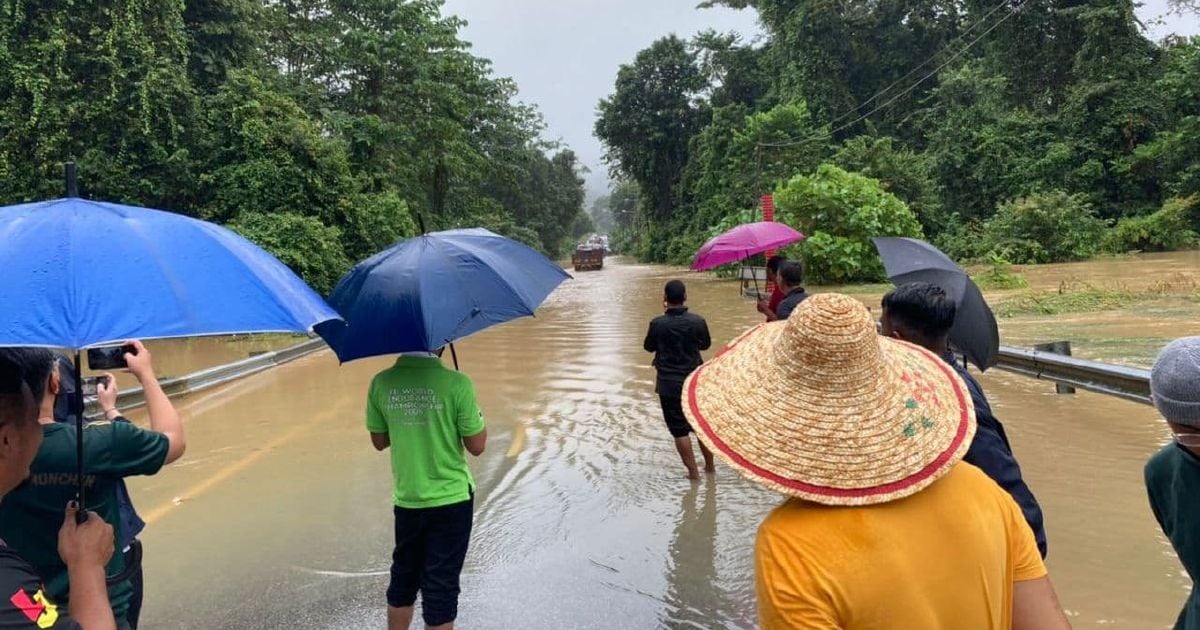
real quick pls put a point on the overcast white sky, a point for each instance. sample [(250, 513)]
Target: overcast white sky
[(564, 54)]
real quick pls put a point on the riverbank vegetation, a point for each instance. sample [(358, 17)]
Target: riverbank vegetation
[(1026, 132), (318, 128)]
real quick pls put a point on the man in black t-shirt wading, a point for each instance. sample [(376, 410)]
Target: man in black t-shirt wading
[(676, 339)]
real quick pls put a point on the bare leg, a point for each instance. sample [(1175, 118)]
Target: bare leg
[(399, 618), (709, 467), (684, 446)]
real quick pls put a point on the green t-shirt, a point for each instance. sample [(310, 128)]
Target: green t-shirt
[(426, 410), (1173, 483), (31, 515)]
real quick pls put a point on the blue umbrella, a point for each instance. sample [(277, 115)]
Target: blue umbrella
[(81, 273), (425, 292)]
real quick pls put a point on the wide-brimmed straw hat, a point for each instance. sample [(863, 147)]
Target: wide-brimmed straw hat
[(823, 408)]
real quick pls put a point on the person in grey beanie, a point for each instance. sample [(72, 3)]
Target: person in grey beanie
[(1173, 474)]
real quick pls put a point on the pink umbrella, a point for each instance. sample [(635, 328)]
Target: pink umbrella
[(743, 242)]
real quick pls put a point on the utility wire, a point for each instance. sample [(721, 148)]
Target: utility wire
[(886, 104)]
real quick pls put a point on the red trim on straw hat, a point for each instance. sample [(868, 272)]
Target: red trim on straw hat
[(931, 469)]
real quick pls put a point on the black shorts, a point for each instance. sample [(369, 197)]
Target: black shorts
[(672, 407), (431, 546)]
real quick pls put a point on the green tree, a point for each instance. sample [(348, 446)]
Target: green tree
[(648, 121), (840, 212), (1044, 228), (222, 35), (104, 83), (311, 249), (901, 171)]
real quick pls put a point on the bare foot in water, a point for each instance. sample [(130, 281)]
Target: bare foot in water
[(710, 469), (694, 475)]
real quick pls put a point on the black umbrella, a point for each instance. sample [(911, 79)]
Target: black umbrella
[(975, 333)]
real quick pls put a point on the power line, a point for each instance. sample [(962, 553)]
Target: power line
[(885, 105), (931, 58)]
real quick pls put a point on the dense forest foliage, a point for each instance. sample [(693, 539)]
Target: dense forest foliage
[(1029, 130), (319, 128)]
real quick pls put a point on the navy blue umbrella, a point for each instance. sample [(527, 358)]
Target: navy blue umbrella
[(426, 292), (79, 273)]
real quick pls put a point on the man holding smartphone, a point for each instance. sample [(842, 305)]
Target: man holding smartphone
[(114, 449), (84, 547)]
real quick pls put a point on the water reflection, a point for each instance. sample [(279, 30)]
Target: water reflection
[(692, 584)]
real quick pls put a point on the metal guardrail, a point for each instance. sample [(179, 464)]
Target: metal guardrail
[(1103, 378), (212, 377)]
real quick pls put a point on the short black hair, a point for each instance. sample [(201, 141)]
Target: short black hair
[(35, 364), (15, 401), (774, 262), (922, 308), (791, 272), (675, 292)]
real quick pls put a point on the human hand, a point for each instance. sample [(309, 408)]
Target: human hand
[(106, 392), (763, 306), (140, 364), (89, 543)]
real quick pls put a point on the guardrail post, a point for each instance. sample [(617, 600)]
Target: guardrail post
[(1062, 348)]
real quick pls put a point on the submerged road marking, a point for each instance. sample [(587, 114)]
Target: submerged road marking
[(225, 473), (518, 441)]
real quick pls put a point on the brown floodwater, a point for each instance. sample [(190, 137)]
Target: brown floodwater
[(279, 515)]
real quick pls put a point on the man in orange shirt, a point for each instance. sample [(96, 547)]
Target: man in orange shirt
[(886, 526)]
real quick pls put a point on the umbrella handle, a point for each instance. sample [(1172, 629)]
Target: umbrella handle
[(77, 408), (454, 355)]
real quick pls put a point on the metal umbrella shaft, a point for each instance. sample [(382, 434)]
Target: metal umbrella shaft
[(77, 409)]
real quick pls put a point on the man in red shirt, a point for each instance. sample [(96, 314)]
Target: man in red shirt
[(771, 306)]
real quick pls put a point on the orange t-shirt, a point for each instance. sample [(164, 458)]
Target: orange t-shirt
[(946, 557)]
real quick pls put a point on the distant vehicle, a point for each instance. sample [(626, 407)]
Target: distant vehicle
[(589, 255), (588, 258)]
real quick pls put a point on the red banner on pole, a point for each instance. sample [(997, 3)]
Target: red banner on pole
[(768, 211)]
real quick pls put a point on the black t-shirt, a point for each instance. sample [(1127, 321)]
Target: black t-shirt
[(676, 339), (24, 604)]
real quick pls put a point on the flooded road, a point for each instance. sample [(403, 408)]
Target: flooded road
[(279, 515)]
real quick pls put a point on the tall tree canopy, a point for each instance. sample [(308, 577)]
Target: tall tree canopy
[(955, 108), (320, 128)]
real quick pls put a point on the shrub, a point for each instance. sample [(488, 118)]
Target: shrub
[(312, 249), (1044, 228), (840, 212), (1000, 276), (1167, 229)]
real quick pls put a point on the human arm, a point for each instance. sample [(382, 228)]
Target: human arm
[(475, 443), (164, 418), (705, 339), (377, 426), (764, 307), (469, 419), (1036, 606), (86, 548), (651, 342)]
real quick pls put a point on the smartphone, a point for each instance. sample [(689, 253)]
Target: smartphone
[(92, 383), (110, 358)]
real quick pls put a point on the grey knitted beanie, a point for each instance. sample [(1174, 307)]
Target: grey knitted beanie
[(1175, 382)]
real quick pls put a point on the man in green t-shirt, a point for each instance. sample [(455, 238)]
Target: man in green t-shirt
[(113, 449), (1173, 474), (427, 415)]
